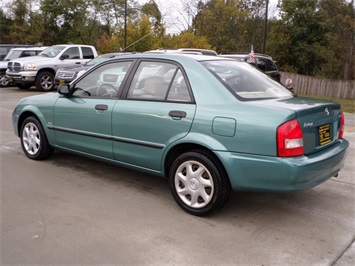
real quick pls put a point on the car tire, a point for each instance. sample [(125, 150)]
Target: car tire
[(198, 183), (4, 82), (44, 81), (24, 86), (34, 140)]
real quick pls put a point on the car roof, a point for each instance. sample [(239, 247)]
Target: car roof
[(178, 57), (39, 48), (246, 55), (117, 54), (183, 51)]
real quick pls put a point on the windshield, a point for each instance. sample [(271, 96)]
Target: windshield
[(246, 81), (52, 51), (13, 54)]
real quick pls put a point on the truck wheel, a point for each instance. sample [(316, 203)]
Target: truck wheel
[(45, 81), (4, 82)]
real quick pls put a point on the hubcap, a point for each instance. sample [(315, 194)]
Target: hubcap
[(31, 138), (194, 184), (46, 82), (3, 80)]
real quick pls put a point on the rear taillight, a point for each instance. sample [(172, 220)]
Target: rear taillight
[(341, 126), (290, 139)]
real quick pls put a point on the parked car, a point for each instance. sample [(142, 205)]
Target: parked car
[(40, 70), (13, 54), (208, 124), (263, 62), (5, 49), (68, 74)]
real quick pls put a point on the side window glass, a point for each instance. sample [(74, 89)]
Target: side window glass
[(271, 65), (151, 81), (87, 52), (261, 64), (179, 91), (28, 53), (103, 82), (73, 53)]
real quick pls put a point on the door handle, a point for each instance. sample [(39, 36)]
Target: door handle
[(101, 107), (178, 114)]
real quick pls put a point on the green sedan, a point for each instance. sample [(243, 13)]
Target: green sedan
[(208, 124)]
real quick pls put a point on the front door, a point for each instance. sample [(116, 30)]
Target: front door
[(83, 121)]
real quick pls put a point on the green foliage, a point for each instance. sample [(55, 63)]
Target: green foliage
[(186, 39), (5, 28), (223, 25), (151, 9), (315, 37)]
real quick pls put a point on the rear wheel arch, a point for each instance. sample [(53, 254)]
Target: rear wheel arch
[(182, 148), (177, 150), (218, 186)]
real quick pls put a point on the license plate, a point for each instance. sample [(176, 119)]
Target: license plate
[(10, 79), (61, 82), (324, 134)]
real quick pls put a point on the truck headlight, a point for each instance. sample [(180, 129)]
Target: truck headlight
[(30, 67)]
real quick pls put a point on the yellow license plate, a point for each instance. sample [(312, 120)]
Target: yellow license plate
[(61, 82), (10, 79), (324, 134)]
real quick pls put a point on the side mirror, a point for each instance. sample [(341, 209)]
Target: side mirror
[(64, 90), (64, 56)]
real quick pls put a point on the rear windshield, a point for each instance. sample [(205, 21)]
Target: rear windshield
[(245, 81)]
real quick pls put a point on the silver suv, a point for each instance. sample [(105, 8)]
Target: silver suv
[(263, 62)]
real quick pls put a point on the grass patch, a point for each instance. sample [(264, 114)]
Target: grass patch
[(348, 106)]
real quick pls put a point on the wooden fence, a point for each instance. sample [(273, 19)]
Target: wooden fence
[(320, 87)]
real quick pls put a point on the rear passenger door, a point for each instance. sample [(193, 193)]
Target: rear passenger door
[(156, 109)]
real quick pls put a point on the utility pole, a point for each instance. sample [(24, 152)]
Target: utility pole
[(265, 25), (125, 24)]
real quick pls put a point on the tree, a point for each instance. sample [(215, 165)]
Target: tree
[(338, 18), (5, 28), (223, 24), (20, 29), (315, 37), (186, 39)]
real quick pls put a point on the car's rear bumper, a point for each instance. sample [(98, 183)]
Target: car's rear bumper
[(264, 173)]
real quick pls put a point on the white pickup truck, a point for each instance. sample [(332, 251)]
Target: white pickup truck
[(40, 70)]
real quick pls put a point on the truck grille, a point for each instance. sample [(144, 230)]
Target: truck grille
[(66, 75), (14, 66)]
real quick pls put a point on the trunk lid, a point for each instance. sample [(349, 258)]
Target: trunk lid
[(320, 120)]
